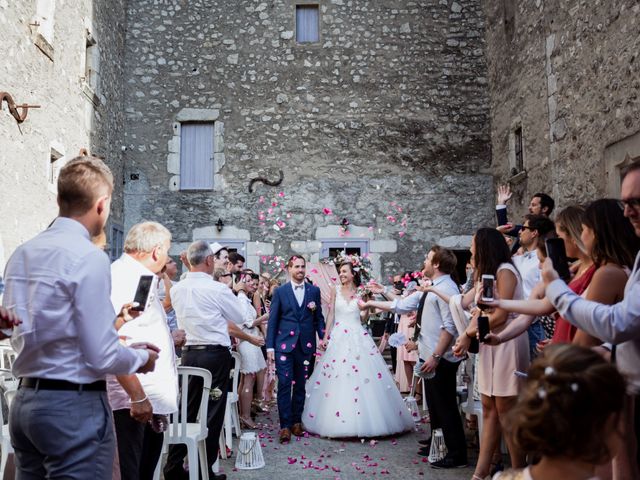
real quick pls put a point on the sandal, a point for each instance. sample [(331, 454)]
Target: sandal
[(248, 423)]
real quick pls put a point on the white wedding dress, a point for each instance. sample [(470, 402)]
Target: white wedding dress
[(351, 392)]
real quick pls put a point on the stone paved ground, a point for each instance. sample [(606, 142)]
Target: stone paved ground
[(317, 458)]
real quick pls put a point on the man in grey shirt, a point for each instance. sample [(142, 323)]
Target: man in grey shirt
[(620, 323), (435, 341)]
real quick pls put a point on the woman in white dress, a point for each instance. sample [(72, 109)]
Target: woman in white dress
[(351, 392), (252, 363)]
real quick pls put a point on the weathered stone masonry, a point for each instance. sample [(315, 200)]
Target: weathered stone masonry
[(390, 105)]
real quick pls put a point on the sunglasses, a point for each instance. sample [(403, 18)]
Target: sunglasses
[(631, 203)]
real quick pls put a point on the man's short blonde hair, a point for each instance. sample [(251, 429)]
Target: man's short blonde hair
[(145, 236), (81, 182)]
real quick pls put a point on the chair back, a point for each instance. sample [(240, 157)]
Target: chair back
[(189, 377), (7, 356), (235, 372)]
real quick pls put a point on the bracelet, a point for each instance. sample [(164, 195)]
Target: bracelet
[(146, 397)]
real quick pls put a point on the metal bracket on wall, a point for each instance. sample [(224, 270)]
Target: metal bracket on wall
[(266, 181), (13, 108)]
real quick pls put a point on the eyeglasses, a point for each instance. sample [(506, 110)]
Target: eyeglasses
[(527, 227), (633, 203)]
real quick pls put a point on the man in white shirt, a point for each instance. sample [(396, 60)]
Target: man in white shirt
[(58, 284), (140, 403), (528, 265), (436, 337), (203, 307)]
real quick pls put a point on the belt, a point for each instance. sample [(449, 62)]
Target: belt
[(50, 384), (204, 348)]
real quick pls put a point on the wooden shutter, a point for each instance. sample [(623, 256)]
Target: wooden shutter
[(196, 156)]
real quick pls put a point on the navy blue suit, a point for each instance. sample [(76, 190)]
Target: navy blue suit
[(292, 334)]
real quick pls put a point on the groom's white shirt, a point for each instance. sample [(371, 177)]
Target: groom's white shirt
[(298, 292)]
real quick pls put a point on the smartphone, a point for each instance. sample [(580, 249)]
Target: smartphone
[(483, 327), (558, 255), (142, 292), (488, 284)]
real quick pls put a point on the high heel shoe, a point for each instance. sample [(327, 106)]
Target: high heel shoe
[(248, 423)]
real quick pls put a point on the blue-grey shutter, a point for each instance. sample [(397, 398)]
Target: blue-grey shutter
[(307, 23), (196, 156)]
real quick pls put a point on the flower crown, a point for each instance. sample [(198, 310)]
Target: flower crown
[(360, 264)]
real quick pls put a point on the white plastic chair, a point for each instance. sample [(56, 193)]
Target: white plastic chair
[(7, 356), (193, 435), (5, 442), (231, 413), (414, 382)]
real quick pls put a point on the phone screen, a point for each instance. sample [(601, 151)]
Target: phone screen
[(483, 327), (558, 255), (487, 287), (142, 292)]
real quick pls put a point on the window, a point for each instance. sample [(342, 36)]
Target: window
[(44, 23), (331, 248), (91, 62), (307, 23), (54, 166), (196, 156), (116, 241), (509, 18), (519, 157)]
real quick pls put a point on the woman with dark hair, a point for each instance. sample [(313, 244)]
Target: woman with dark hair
[(351, 392), (497, 384)]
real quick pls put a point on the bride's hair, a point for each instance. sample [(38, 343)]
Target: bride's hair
[(356, 275)]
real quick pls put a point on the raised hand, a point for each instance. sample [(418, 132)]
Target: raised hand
[(548, 272), (375, 287), (504, 194)]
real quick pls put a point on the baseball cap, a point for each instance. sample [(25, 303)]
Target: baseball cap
[(216, 247)]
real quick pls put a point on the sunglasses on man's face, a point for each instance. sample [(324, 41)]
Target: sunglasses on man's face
[(630, 202)]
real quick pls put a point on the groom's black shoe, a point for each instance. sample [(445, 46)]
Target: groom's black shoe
[(285, 435), (425, 443), (449, 462), (297, 429)]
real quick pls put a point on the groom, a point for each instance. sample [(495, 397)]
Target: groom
[(294, 319)]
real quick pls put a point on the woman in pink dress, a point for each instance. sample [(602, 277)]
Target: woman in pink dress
[(405, 360)]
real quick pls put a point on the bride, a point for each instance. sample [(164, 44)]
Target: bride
[(351, 392)]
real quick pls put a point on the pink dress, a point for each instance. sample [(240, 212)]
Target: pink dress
[(404, 382), (496, 365)]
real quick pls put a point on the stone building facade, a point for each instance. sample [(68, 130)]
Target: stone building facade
[(565, 78), (385, 115), (64, 57)]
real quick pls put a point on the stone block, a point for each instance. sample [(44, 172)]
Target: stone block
[(383, 246), (173, 144), (260, 248), (197, 115), (173, 163), (174, 183), (229, 232)]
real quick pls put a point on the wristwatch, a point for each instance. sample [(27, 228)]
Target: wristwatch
[(436, 356)]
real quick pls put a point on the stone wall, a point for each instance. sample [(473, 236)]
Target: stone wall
[(568, 73), (389, 106), (44, 64)]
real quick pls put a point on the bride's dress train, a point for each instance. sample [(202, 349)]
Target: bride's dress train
[(351, 392)]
